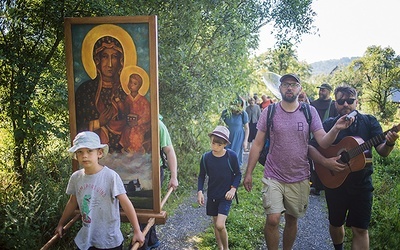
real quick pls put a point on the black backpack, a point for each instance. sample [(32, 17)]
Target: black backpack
[(305, 107)]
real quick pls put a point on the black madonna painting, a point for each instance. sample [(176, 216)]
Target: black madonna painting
[(112, 80)]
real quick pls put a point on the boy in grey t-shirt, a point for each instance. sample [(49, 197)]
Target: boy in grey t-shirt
[(97, 191)]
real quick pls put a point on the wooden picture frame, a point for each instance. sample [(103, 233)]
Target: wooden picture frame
[(106, 59)]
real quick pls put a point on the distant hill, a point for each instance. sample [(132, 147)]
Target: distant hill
[(326, 67)]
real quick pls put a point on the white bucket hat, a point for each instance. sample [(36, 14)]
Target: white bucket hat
[(87, 139), (222, 132)]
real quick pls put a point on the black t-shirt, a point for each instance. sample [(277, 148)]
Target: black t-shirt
[(366, 127), (322, 106)]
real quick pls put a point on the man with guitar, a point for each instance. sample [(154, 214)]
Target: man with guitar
[(287, 171), (345, 169)]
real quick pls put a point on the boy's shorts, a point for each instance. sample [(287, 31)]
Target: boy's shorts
[(218, 206), (290, 198)]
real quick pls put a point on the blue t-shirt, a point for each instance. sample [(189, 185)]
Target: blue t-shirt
[(220, 175)]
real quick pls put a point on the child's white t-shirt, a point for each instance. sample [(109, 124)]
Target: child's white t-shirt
[(97, 199)]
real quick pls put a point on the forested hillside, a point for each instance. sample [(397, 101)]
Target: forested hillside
[(327, 67)]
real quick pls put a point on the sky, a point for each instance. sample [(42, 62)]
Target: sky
[(346, 29)]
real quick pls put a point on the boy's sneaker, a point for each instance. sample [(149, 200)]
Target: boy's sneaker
[(155, 245)]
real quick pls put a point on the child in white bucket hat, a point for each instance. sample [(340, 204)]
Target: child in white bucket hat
[(222, 167), (97, 191), (87, 139)]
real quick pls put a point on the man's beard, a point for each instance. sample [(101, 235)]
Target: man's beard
[(323, 97), (291, 99)]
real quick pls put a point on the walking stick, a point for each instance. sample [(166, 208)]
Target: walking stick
[(56, 236), (151, 221)]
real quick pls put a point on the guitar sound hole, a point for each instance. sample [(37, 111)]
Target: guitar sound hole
[(344, 157)]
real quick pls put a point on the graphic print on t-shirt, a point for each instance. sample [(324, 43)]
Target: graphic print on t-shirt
[(85, 209)]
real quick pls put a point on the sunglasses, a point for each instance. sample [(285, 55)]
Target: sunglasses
[(349, 101)]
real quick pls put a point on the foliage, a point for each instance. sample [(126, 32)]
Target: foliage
[(212, 59), (376, 76), (27, 217), (28, 213), (385, 224), (379, 69), (282, 60), (30, 38)]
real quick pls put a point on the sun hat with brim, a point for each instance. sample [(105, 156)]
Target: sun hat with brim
[(222, 132), (87, 139), (290, 75)]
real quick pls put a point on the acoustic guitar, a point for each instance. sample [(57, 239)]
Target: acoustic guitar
[(351, 149)]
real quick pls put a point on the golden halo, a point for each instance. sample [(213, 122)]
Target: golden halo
[(106, 30), (127, 72)]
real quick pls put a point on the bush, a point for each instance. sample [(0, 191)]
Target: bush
[(30, 213), (385, 223)]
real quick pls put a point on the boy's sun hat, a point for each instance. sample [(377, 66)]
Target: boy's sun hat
[(87, 139), (222, 132)]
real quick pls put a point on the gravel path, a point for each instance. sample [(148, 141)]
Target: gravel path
[(181, 229), (189, 220)]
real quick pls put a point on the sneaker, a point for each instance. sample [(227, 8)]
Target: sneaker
[(155, 245)]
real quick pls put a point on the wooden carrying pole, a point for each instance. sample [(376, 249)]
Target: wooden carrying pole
[(56, 236), (151, 221)]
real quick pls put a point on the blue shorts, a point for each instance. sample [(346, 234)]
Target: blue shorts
[(343, 207), (218, 206)]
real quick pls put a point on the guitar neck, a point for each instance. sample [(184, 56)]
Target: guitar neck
[(371, 142)]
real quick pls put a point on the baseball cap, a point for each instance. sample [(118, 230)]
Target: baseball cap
[(87, 139), (325, 86), (290, 75), (222, 132)]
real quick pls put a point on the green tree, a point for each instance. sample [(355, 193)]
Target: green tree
[(213, 58), (281, 60), (31, 33), (379, 73)]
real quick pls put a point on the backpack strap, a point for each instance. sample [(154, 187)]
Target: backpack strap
[(203, 158), (270, 114), (305, 107), (229, 164)]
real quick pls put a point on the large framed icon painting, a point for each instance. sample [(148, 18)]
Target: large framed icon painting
[(112, 72)]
